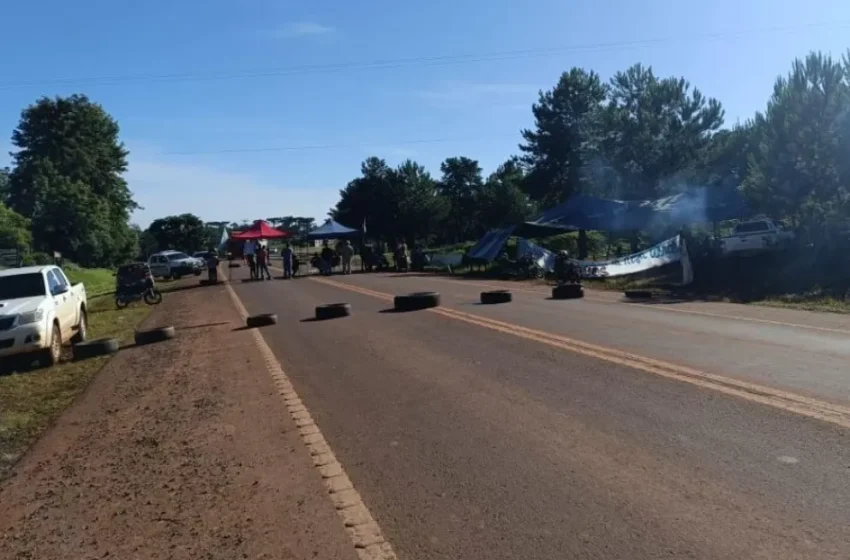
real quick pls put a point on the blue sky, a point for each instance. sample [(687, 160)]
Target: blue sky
[(201, 84)]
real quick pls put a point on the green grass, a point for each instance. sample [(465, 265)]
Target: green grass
[(30, 401), (97, 280)]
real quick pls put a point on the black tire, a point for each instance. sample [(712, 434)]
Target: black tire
[(568, 291), (332, 311), (638, 294), (120, 302), (197, 273), (154, 335), (95, 348), (263, 320), (416, 301), (153, 297), (234, 265), (51, 355), (206, 282), (82, 329), (496, 296)]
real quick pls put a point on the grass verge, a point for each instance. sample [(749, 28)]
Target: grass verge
[(31, 400), (96, 280)]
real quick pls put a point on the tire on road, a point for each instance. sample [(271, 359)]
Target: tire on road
[(416, 301), (208, 282), (568, 291), (154, 335), (234, 265), (94, 348), (262, 320), (332, 311), (638, 294), (496, 296)]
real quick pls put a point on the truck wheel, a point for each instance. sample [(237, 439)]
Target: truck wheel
[(95, 348), (416, 301), (332, 311), (53, 353), (263, 320), (496, 296), (154, 335), (82, 329), (568, 291)]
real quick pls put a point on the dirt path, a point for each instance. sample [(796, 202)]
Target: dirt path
[(177, 450)]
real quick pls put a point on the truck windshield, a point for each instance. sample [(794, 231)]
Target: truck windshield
[(22, 286)]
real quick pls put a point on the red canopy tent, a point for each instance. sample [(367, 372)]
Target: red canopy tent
[(260, 230)]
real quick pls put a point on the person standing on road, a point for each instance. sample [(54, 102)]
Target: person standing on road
[(263, 263), (249, 251), (286, 255), (346, 251), (327, 259)]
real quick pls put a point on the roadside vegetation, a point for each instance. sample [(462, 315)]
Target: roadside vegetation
[(31, 399)]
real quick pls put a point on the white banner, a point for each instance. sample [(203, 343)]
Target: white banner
[(666, 252)]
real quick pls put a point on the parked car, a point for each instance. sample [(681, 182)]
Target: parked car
[(755, 237), (40, 311), (173, 264)]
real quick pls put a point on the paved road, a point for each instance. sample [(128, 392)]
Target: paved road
[(476, 442)]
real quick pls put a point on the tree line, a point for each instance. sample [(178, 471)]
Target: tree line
[(636, 136)]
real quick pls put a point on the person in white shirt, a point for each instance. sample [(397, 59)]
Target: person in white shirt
[(248, 251)]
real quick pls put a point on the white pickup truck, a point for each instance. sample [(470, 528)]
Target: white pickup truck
[(755, 237), (40, 311)]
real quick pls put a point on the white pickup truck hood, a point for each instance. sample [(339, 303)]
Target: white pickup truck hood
[(20, 305)]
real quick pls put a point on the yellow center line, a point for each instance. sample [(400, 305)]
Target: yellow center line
[(806, 406), (659, 309)]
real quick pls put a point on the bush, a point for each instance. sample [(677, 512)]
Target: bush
[(35, 259)]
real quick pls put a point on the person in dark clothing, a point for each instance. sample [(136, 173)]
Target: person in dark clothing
[(327, 259), (288, 260), (263, 262), (212, 266)]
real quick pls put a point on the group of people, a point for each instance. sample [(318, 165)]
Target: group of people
[(328, 258), (256, 254)]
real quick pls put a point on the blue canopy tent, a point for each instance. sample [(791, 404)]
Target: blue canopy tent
[(333, 230)]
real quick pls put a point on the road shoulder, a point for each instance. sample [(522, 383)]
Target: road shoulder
[(181, 449)]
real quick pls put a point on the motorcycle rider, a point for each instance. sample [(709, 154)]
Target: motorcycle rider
[(566, 271)]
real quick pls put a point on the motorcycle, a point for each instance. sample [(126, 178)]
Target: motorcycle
[(135, 282), (523, 268), (566, 271)]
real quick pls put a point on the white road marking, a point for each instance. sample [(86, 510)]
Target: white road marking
[(358, 522), (788, 460)]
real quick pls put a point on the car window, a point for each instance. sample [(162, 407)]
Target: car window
[(60, 276), (750, 227), (177, 256), (52, 282)]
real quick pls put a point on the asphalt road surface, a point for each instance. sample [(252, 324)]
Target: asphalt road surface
[(575, 429)]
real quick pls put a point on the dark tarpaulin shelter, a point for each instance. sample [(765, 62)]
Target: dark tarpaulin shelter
[(333, 230), (694, 205), (489, 246)]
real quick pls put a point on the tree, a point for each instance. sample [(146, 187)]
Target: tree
[(373, 195), (799, 168), (460, 184), (421, 209), (502, 201), (14, 230), (67, 180), (185, 232), (656, 133), (560, 150), (4, 185)]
